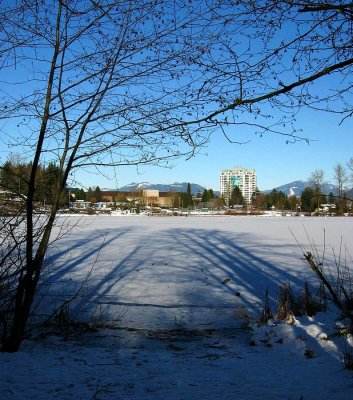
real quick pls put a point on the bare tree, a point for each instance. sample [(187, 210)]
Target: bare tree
[(280, 51), (350, 167), (89, 85), (93, 84), (340, 177), (317, 180)]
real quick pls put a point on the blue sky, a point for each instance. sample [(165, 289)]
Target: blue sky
[(276, 162)]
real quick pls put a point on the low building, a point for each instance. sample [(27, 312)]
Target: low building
[(103, 205), (144, 197), (80, 205)]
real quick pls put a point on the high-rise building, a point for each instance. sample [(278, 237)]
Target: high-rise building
[(244, 178)]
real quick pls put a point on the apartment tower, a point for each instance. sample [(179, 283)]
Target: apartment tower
[(244, 178)]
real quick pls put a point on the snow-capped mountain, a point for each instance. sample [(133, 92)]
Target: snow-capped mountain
[(296, 188), (291, 188), (136, 186), (176, 186)]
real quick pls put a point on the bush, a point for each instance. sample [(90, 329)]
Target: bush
[(338, 284)]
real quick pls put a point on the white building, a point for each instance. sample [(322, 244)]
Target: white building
[(244, 178)]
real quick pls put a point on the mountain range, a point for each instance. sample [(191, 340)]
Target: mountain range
[(295, 187), (176, 187)]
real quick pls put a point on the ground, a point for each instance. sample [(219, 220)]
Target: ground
[(177, 302)]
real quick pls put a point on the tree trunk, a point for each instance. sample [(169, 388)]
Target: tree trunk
[(23, 302), (26, 290)]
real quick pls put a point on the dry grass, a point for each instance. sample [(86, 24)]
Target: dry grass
[(305, 304), (347, 358), (266, 312), (290, 305)]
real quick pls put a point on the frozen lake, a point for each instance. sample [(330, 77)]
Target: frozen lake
[(152, 272), (175, 290)]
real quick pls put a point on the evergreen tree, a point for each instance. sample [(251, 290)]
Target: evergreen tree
[(275, 199), (14, 177), (292, 203), (77, 194), (207, 195), (81, 195), (8, 178), (187, 198), (307, 199), (89, 195), (236, 197), (49, 180), (97, 194)]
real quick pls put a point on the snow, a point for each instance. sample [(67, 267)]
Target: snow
[(178, 301), (143, 184)]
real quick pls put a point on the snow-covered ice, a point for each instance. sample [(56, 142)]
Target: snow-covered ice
[(177, 296)]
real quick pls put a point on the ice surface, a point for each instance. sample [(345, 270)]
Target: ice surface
[(179, 292)]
